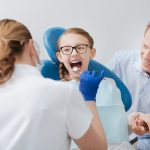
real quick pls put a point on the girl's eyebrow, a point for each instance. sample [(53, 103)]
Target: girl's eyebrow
[(74, 44), (81, 44)]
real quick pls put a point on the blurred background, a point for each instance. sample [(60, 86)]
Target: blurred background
[(114, 24)]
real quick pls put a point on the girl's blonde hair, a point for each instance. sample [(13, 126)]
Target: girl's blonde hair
[(63, 72), (13, 35)]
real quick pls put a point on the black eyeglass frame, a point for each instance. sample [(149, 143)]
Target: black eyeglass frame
[(74, 47)]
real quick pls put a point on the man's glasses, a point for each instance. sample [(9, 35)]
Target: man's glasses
[(67, 50)]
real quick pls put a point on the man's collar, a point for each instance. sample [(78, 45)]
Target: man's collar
[(137, 63)]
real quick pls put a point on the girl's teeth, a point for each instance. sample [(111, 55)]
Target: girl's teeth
[(75, 69)]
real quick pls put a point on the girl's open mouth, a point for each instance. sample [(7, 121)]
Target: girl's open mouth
[(76, 65)]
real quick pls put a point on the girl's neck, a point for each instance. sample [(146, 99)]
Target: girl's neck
[(69, 78), (74, 78)]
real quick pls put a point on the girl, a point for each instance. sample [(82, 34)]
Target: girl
[(75, 49)]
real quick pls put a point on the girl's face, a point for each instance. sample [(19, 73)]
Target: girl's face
[(75, 62)]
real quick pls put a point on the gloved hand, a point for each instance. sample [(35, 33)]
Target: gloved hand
[(89, 83)]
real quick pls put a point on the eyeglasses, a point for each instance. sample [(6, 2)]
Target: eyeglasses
[(67, 50)]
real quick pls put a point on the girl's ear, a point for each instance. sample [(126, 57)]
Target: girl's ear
[(58, 55), (93, 53)]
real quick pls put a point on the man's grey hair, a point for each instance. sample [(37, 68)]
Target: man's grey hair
[(147, 28)]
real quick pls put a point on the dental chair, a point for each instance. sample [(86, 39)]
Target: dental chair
[(50, 68)]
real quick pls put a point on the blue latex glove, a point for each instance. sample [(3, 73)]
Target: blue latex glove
[(89, 83)]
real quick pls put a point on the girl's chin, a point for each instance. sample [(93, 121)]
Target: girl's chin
[(76, 71), (75, 75)]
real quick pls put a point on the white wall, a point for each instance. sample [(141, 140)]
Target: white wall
[(114, 24)]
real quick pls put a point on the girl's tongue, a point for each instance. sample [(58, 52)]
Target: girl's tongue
[(76, 65), (75, 68)]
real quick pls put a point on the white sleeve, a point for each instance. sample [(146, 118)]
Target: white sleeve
[(78, 115), (114, 63)]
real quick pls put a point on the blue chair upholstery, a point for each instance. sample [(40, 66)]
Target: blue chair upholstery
[(50, 68)]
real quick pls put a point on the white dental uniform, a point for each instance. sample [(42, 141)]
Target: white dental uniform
[(127, 65), (40, 114)]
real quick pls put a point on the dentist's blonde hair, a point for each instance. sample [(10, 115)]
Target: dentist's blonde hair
[(13, 35)]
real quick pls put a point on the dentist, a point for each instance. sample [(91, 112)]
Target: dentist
[(38, 113)]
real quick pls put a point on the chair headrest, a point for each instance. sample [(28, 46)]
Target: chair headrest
[(51, 68), (51, 37)]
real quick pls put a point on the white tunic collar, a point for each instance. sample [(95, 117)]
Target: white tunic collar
[(25, 70)]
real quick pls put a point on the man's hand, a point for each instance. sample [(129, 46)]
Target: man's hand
[(144, 120), (138, 123)]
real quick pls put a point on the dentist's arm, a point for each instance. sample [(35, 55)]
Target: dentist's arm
[(94, 138)]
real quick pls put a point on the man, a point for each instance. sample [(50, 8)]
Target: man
[(133, 67)]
